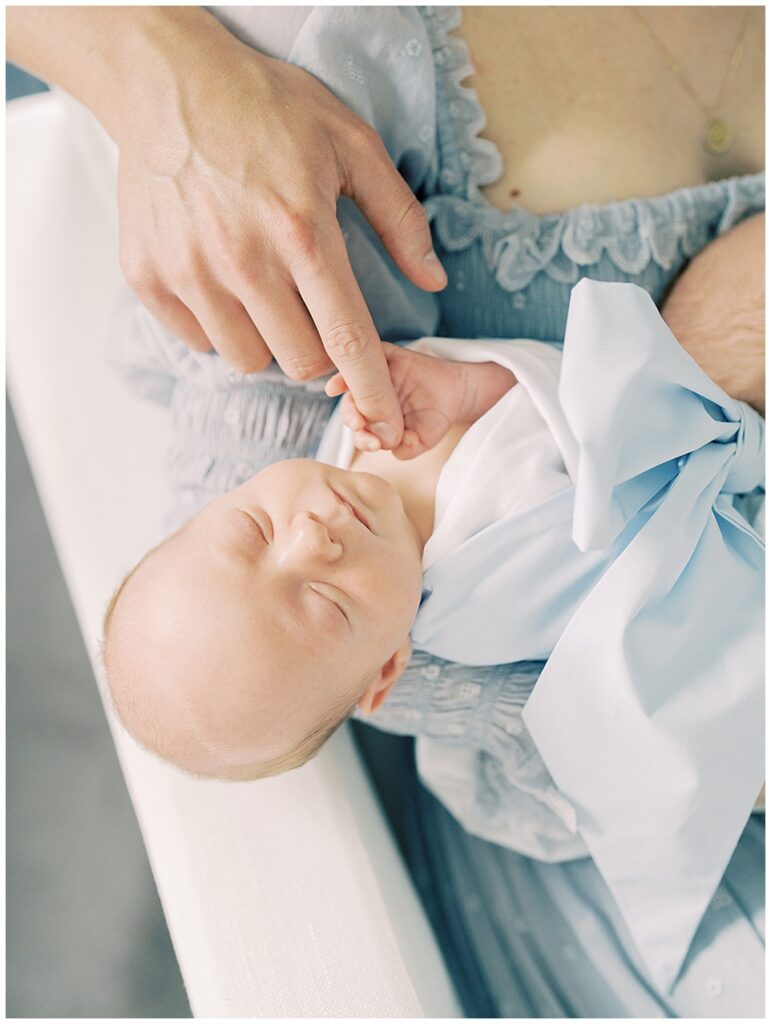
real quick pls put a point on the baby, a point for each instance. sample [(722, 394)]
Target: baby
[(237, 646)]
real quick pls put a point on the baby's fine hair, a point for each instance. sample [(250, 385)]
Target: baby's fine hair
[(306, 749)]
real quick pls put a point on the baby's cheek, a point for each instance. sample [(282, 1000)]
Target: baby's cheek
[(395, 588)]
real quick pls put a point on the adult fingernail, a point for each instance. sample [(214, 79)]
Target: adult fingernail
[(386, 433), (435, 268)]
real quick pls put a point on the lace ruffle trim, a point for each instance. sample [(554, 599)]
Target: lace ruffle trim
[(466, 161), (518, 244)]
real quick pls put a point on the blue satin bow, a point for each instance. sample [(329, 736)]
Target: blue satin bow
[(649, 712), (646, 586)]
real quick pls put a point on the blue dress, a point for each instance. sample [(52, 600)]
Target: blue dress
[(527, 938), (522, 937)]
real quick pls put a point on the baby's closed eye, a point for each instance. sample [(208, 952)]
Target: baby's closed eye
[(327, 597)]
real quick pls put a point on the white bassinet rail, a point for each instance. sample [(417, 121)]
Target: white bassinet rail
[(284, 897)]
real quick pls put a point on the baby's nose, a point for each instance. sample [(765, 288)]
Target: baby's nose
[(317, 537)]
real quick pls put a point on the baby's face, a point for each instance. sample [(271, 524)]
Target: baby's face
[(273, 603)]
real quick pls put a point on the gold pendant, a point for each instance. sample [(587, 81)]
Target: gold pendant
[(718, 137)]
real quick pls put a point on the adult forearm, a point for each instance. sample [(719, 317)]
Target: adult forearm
[(105, 56)]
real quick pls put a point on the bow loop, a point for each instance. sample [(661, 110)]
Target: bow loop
[(638, 407), (661, 665)]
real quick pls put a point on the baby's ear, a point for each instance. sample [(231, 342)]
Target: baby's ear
[(386, 676)]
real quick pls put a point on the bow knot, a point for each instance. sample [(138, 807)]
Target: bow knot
[(746, 468)]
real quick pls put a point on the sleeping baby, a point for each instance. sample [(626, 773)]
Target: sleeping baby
[(237, 646)]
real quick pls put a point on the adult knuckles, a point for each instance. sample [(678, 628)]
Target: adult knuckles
[(294, 228), (186, 272), (141, 275), (347, 342), (366, 138), (412, 218), (301, 236), (236, 248), (240, 261), (298, 367), (250, 362)]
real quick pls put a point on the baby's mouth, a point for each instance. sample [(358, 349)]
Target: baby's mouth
[(355, 509)]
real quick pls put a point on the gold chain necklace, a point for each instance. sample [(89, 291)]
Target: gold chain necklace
[(718, 137)]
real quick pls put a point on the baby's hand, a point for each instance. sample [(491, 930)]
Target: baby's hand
[(431, 391), (434, 394)]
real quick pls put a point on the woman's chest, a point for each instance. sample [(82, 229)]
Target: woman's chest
[(585, 106)]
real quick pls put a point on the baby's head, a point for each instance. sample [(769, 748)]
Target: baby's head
[(236, 647)]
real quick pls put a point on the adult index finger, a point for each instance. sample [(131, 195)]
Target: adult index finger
[(327, 284)]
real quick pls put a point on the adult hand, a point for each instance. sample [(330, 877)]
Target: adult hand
[(228, 184)]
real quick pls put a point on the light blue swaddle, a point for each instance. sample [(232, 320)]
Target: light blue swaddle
[(649, 712)]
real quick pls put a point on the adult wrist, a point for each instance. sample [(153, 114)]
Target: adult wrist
[(160, 47), (114, 60)]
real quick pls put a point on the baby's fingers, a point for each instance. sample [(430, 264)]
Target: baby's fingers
[(335, 386), (366, 442), (410, 447), (352, 418)]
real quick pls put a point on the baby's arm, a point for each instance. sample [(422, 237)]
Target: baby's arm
[(434, 394)]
